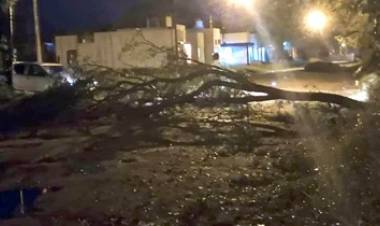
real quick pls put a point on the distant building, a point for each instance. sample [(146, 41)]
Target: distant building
[(197, 39), (205, 43), (153, 45), (145, 47), (242, 48), (139, 47), (213, 41)]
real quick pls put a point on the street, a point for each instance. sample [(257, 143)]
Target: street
[(300, 80)]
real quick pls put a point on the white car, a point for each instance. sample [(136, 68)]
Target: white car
[(34, 77)]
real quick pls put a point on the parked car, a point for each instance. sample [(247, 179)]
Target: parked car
[(34, 77)]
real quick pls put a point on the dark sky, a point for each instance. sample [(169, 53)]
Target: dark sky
[(77, 15), (73, 16)]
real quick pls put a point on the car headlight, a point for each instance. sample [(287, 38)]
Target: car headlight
[(67, 78), (70, 80)]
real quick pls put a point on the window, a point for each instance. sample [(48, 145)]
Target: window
[(19, 69), (53, 69)]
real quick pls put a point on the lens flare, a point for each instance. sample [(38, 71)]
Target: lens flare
[(361, 95), (316, 20)]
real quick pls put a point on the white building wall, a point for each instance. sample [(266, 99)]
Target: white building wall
[(104, 49), (181, 33), (86, 53), (213, 39), (64, 44), (196, 39), (238, 45), (143, 48), (123, 48), (238, 37)]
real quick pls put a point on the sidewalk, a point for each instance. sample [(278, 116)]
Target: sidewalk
[(270, 68)]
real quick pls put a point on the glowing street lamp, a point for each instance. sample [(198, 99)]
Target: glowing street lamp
[(316, 21)]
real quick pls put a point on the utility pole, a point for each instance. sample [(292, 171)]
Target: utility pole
[(211, 21), (37, 31), (175, 29), (13, 54)]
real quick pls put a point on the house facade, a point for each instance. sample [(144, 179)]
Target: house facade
[(139, 47), (242, 48), (145, 47), (152, 46), (197, 40)]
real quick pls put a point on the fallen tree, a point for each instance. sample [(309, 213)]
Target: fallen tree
[(201, 85), (149, 93)]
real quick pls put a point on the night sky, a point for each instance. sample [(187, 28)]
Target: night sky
[(75, 16), (65, 16)]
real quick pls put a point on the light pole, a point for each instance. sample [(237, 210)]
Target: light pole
[(37, 31), (11, 8), (174, 18)]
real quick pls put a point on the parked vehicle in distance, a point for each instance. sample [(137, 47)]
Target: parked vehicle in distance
[(35, 77)]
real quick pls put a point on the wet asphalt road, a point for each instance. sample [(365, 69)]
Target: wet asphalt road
[(299, 80)]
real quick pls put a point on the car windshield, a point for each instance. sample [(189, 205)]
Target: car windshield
[(54, 69)]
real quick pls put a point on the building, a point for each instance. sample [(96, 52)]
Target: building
[(197, 39), (205, 43), (152, 47), (141, 47), (242, 48), (213, 41)]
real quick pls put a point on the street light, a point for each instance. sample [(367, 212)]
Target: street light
[(316, 21)]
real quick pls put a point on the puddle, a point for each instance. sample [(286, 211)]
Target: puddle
[(11, 204), (15, 203)]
